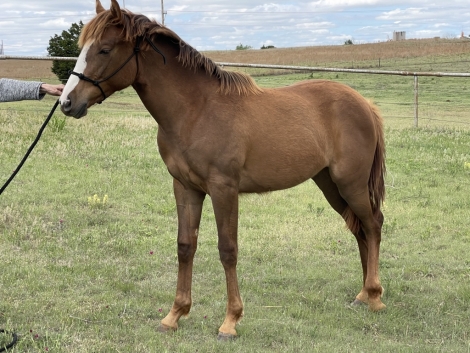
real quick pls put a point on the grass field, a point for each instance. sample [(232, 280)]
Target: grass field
[(96, 274)]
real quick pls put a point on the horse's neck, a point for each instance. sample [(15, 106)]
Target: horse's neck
[(172, 93)]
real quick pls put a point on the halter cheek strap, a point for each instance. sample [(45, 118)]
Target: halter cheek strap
[(84, 78), (96, 83)]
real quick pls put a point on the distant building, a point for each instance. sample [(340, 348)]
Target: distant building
[(401, 35)]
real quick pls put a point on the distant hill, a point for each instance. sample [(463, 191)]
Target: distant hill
[(357, 55)]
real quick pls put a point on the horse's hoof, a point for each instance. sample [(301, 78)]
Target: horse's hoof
[(377, 306), (164, 329), (357, 302), (225, 337)]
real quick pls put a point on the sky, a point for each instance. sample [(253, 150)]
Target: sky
[(26, 26)]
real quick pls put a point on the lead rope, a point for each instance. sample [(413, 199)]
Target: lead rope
[(30, 149), (12, 343)]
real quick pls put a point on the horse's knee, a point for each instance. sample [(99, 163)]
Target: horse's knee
[(186, 251), (228, 255)]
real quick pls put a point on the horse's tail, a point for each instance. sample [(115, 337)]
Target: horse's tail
[(376, 178)]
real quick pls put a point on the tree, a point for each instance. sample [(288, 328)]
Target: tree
[(348, 42), (243, 47), (65, 45)]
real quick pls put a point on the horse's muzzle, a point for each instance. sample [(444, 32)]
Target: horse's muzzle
[(77, 112)]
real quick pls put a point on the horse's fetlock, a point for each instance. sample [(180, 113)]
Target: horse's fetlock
[(375, 292), (182, 303)]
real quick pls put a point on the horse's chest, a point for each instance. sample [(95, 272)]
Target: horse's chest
[(181, 166)]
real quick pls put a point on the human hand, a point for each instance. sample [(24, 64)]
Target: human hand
[(54, 90)]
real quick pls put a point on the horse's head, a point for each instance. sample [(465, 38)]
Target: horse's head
[(101, 68), (109, 60)]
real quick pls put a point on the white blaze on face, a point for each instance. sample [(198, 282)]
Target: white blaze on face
[(74, 80)]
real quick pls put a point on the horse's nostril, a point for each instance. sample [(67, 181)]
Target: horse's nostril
[(66, 105)]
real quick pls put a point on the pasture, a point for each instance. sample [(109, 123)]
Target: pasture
[(86, 273)]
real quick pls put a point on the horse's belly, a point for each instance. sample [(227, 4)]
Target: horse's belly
[(270, 175)]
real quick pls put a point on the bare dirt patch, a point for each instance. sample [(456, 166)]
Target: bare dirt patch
[(27, 69)]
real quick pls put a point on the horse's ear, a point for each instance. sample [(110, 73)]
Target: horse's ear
[(115, 9), (99, 7)]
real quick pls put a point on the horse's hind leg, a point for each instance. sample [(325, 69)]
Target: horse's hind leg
[(335, 199), (330, 190), (189, 207), (368, 238), (363, 296)]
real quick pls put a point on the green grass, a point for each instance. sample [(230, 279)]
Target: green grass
[(80, 276)]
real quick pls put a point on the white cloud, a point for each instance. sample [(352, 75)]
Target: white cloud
[(177, 8), (439, 25), (27, 25), (427, 33), (314, 25), (56, 23), (340, 38)]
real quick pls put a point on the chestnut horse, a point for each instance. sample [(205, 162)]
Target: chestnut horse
[(220, 134)]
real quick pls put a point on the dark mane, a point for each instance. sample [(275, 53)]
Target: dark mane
[(135, 25)]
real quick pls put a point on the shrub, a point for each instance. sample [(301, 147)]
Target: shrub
[(65, 45)]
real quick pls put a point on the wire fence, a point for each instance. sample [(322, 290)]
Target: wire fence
[(430, 98)]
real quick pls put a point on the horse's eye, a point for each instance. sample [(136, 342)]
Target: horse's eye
[(104, 51)]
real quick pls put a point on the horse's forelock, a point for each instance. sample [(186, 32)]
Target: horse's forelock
[(93, 30), (132, 26)]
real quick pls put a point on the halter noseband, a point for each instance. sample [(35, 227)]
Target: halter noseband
[(136, 51)]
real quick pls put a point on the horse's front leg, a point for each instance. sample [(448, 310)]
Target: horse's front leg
[(225, 203), (189, 207)]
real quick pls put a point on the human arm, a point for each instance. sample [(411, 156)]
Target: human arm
[(14, 90)]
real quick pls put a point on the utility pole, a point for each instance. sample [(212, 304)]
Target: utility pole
[(163, 15)]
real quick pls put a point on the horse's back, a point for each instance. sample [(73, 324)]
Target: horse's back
[(314, 105), (298, 130)]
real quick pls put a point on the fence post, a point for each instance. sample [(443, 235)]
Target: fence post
[(416, 100)]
